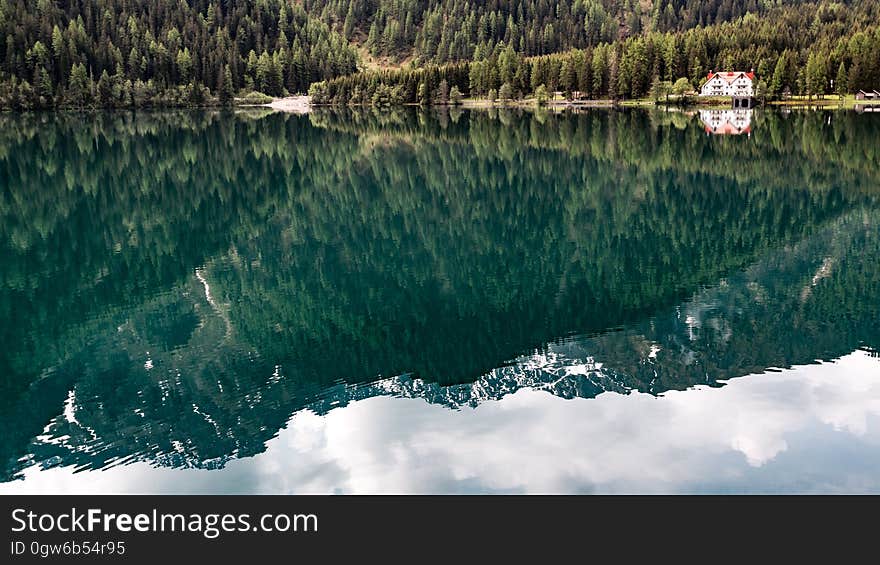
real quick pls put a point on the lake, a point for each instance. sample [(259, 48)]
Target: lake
[(440, 301)]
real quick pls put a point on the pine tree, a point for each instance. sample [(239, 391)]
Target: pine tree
[(541, 95), (263, 72), (613, 76), (184, 64), (105, 90), (841, 83), (815, 75), (275, 78), (79, 89), (778, 82), (505, 92), (43, 87), (443, 92), (455, 96), (224, 89)]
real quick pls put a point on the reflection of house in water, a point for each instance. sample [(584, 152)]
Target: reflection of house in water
[(861, 108), (727, 122)]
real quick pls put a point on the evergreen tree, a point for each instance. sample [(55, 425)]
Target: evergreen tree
[(815, 75), (443, 92), (105, 89), (778, 82), (79, 89), (224, 88), (841, 85), (505, 93), (455, 96), (541, 95)]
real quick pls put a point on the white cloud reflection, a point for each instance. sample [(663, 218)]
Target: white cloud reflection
[(809, 428)]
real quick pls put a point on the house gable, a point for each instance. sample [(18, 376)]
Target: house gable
[(733, 83)]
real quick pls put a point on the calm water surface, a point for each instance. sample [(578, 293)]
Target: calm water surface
[(440, 302)]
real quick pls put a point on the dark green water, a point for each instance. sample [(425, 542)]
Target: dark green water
[(176, 289)]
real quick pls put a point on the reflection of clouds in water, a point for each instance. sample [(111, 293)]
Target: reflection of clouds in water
[(775, 431)]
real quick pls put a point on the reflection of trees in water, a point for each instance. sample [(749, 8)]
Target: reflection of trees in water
[(763, 317), (349, 246)]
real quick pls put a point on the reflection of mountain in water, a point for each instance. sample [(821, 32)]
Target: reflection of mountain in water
[(764, 317), (189, 327)]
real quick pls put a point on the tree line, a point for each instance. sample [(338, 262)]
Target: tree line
[(114, 53), (439, 31), (831, 51)]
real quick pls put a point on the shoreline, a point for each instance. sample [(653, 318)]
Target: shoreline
[(828, 103), (302, 104), (290, 104)]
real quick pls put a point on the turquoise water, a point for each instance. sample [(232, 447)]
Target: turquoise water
[(441, 301)]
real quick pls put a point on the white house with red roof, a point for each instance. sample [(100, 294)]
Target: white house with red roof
[(736, 83)]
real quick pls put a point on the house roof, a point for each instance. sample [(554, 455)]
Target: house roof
[(731, 76)]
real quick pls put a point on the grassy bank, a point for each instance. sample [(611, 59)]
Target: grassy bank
[(848, 102)]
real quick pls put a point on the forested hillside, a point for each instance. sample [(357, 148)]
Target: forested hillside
[(160, 52), (448, 30), (796, 49), (115, 53), (438, 31)]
